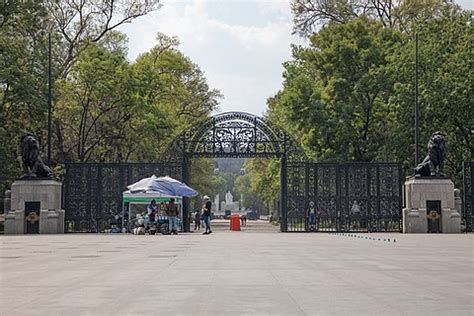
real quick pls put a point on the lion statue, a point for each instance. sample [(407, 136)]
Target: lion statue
[(33, 166), (433, 164)]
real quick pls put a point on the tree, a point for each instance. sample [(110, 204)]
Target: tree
[(335, 91), (110, 110), (243, 186), (203, 178), (74, 25), (95, 104), (23, 84), (350, 94), (445, 88), (174, 91), (82, 22), (260, 184), (308, 15)]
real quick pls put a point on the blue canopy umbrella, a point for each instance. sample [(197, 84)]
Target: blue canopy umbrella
[(164, 185)]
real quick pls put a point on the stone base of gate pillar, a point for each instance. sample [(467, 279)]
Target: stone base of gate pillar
[(429, 206), (415, 221), (35, 207), (15, 222)]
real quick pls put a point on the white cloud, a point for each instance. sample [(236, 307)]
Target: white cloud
[(239, 44), (280, 6), (243, 60)]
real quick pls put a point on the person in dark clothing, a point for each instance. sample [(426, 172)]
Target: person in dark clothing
[(207, 215), (151, 211), (310, 215)]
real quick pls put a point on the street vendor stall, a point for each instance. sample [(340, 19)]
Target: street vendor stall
[(135, 203), (162, 190)]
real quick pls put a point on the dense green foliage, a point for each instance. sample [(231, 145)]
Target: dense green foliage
[(106, 108), (349, 94), (260, 184), (23, 65)]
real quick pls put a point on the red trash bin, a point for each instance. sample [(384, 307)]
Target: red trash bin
[(235, 222)]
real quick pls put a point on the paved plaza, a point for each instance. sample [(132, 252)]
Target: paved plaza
[(257, 271)]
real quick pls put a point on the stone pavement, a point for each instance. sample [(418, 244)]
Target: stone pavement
[(237, 273)]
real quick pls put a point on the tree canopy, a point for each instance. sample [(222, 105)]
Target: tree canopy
[(106, 108), (349, 95)]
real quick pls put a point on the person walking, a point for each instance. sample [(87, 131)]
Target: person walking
[(173, 213), (207, 215), (197, 220)]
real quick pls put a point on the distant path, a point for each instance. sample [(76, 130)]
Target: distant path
[(258, 226)]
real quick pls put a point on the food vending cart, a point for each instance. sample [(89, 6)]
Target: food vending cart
[(134, 208)]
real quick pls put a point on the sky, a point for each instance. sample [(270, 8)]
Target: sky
[(239, 44)]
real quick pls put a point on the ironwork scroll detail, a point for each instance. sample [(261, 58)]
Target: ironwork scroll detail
[(234, 134)]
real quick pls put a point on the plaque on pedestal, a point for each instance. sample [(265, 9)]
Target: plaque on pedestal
[(35, 207)]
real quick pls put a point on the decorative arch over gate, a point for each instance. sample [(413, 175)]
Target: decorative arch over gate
[(234, 134)]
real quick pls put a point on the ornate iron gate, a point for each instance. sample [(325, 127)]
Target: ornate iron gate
[(93, 191), (356, 196), (468, 194), (348, 197)]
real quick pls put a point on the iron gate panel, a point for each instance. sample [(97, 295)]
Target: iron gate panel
[(93, 191), (468, 194), (349, 197), (296, 192)]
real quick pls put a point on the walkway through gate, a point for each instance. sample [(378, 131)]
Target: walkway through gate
[(355, 196)]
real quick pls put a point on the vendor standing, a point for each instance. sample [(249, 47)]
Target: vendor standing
[(152, 210), (173, 213)]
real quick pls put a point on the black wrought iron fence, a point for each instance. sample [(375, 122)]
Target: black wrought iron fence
[(93, 191), (347, 197)]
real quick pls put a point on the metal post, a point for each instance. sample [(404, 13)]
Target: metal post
[(185, 179), (283, 193), (417, 136), (49, 99)]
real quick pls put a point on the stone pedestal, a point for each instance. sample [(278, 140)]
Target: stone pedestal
[(15, 222), (42, 194), (47, 192), (419, 191), (51, 221)]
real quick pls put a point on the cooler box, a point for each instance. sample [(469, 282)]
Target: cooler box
[(235, 222)]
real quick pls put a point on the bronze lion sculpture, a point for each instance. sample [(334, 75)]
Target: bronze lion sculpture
[(33, 166), (433, 164)]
